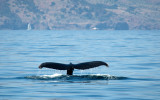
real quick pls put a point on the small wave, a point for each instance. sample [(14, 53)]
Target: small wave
[(76, 77)]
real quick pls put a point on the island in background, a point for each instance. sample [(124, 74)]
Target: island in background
[(80, 14)]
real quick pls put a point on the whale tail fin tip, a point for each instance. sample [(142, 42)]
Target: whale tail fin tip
[(88, 65)]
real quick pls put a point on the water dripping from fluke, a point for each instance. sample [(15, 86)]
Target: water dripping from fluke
[(76, 77)]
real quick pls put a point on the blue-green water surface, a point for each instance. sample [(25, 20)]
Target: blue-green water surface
[(133, 58)]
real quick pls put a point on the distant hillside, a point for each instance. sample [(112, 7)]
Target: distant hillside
[(80, 14)]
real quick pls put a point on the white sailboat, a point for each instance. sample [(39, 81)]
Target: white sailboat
[(29, 26)]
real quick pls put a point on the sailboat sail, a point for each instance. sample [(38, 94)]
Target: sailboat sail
[(29, 27)]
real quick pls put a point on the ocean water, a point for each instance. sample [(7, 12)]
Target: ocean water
[(133, 58)]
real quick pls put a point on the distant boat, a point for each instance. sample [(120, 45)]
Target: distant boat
[(29, 26), (94, 28)]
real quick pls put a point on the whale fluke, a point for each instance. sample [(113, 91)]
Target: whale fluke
[(70, 67), (54, 65), (88, 65)]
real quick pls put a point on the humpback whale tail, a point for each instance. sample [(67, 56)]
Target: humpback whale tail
[(70, 67)]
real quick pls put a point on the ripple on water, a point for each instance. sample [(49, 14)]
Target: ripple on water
[(76, 77)]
